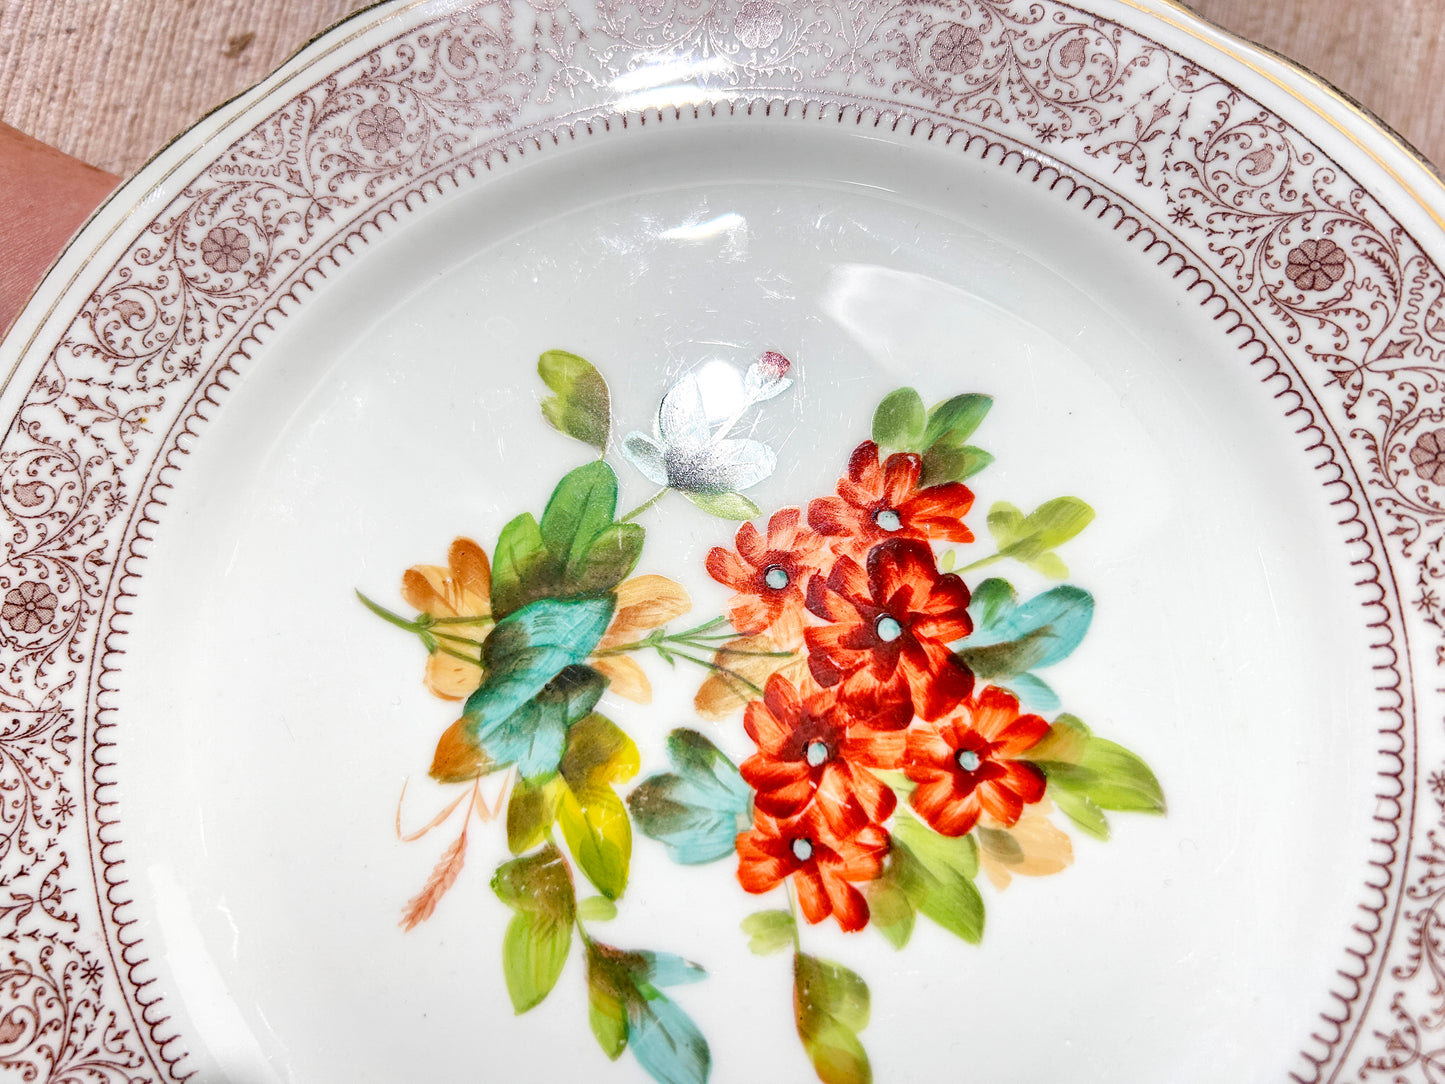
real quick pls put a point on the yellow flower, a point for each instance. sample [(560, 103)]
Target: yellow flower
[(462, 589), (644, 603)]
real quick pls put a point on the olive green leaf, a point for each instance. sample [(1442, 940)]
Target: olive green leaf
[(596, 909), (1088, 774), (899, 421), (1031, 539), (945, 462), (936, 875), (589, 812), (831, 1006), (531, 810), (890, 910), (729, 506), (770, 931), (538, 889), (580, 405)]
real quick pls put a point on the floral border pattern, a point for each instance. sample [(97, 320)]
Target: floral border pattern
[(1338, 305)]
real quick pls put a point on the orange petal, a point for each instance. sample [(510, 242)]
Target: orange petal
[(421, 587), (471, 570), (450, 678), (722, 694), (625, 678), (645, 603), (1033, 847), (458, 759)]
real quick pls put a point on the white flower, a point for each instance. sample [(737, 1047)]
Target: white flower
[(690, 449)]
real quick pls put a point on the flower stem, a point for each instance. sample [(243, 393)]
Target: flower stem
[(793, 909), (645, 505), (422, 627), (980, 563), (386, 615)]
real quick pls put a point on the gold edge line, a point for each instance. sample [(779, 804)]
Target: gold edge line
[(276, 81), (1190, 26)]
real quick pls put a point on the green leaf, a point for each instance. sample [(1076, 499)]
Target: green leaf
[(937, 874), (890, 910), (538, 889), (955, 420), (697, 810), (626, 1007), (580, 405), (1082, 811), (1009, 639), (831, 1006), (580, 509), (510, 716), (519, 558), (899, 421), (530, 812), (1031, 539), (596, 909), (945, 462), (770, 931), (577, 549), (1087, 774), (729, 506), (609, 560), (591, 815)]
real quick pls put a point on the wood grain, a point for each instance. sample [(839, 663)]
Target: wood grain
[(111, 81)]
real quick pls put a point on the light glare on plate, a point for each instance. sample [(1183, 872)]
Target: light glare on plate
[(652, 76), (722, 390), (703, 230)]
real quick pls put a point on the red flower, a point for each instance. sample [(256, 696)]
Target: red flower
[(889, 630), (816, 746), (878, 502), (821, 864), (770, 576), (964, 764)]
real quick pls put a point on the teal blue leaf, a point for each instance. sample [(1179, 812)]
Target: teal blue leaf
[(526, 652), (1033, 692), (627, 1008), (1009, 639), (697, 810), (665, 1041), (534, 736), (665, 969)]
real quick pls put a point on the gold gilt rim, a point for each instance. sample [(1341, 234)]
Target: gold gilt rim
[(1192, 21)]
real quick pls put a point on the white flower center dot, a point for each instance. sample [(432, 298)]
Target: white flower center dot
[(802, 849), (888, 629), (968, 760), (776, 577), (816, 753), (887, 519)]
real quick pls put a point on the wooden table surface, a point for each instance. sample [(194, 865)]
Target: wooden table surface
[(111, 81)]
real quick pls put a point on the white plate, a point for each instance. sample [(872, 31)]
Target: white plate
[(297, 355)]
